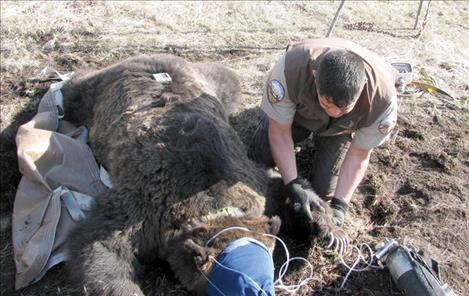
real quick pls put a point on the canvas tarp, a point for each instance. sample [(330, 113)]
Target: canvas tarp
[(60, 180)]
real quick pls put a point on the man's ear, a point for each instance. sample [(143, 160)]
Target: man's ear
[(273, 225)]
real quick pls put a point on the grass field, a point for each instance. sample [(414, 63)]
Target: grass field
[(417, 187)]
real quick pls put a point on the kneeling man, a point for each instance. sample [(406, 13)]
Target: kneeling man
[(343, 94)]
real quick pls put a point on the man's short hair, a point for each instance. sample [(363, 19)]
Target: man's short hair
[(340, 76)]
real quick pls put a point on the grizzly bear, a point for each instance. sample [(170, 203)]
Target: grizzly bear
[(180, 172)]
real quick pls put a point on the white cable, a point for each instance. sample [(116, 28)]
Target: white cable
[(224, 230), (279, 284), (240, 272), (215, 286), (360, 258), (282, 271), (350, 269), (303, 282)]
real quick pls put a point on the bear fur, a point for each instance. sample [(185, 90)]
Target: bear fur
[(176, 165), (180, 174)]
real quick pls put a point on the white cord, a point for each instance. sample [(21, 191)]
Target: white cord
[(208, 279), (224, 230), (278, 284), (240, 272), (360, 258), (283, 270), (303, 282)]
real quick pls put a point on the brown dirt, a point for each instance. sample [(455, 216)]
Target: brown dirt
[(416, 188)]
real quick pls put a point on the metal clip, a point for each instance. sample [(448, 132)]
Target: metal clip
[(385, 250)]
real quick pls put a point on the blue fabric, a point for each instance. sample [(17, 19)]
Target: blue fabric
[(250, 257)]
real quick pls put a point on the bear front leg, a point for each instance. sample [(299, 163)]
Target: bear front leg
[(107, 266)]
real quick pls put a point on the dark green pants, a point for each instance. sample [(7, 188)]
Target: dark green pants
[(329, 153)]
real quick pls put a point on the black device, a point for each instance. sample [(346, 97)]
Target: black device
[(414, 273)]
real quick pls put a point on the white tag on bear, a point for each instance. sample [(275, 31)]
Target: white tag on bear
[(162, 77)]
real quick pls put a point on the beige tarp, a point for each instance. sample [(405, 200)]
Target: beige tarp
[(60, 180)]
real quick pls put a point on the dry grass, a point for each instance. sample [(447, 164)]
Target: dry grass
[(248, 36)]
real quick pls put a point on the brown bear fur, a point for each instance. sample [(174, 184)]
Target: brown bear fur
[(174, 161)]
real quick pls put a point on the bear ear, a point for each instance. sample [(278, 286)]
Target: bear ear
[(273, 225), (199, 253)]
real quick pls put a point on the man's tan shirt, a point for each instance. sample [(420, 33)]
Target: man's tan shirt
[(280, 106)]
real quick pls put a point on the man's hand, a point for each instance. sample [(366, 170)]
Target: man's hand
[(304, 199), (339, 208)]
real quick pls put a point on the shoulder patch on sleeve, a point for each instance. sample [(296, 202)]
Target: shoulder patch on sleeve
[(387, 123), (275, 92)]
